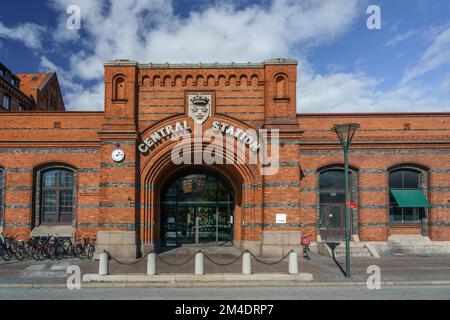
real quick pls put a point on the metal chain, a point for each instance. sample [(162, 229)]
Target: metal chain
[(128, 263), (177, 264), (223, 264), (269, 263)]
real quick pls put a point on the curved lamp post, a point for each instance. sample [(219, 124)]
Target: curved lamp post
[(345, 133)]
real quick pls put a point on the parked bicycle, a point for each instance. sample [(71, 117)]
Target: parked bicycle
[(85, 248), (305, 242), (45, 247), (15, 247), (4, 252)]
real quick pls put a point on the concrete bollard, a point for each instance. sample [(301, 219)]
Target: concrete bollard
[(293, 263), (103, 267), (151, 264), (246, 263), (199, 263)]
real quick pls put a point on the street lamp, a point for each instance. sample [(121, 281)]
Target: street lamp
[(345, 133)]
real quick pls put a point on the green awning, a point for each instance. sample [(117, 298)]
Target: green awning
[(410, 198)]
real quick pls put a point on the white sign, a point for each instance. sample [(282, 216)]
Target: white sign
[(280, 218)]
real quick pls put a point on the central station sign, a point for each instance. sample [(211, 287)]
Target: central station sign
[(182, 128)]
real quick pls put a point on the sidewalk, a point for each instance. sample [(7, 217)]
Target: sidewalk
[(394, 269)]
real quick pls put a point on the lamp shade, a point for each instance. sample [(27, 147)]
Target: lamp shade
[(345, 132)]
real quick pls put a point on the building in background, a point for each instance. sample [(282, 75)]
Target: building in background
[(29, 91)]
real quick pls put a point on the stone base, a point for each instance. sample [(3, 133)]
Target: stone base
[(280, 242), (119, 244), (253, 246), (60, 231)]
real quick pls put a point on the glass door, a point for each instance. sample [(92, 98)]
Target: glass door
[(179, 225), (207, 220), (224, 226)]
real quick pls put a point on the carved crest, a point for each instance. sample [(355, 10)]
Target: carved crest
[(199, 107)]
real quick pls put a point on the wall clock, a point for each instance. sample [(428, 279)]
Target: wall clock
[(118, 155)]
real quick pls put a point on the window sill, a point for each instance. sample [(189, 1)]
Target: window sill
[(60, 230), (405, 224)]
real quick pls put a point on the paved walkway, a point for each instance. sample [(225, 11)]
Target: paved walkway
[(323, 269)]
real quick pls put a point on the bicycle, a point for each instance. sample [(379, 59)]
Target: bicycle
[(15, 247), (305, 242), (85, 248), (4, 252)]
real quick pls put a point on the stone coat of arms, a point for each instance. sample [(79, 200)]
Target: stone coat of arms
[(199, 107)]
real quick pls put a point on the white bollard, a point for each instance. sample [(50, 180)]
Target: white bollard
[(199, 263), (103, 267), (151, 264), (246, 263), (293, 263)]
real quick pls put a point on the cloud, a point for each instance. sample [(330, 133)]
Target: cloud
[(358, 92), (435, 56), (150, 31), (30, 34)]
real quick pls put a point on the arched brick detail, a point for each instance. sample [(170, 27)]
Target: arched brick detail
[(158, 166)]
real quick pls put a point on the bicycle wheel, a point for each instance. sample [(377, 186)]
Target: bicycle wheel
[(80, 251), (5, 255), (91, 251), (58, 252), (19, 256), (308, 253)]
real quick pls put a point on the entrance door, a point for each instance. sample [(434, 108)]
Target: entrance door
[(333, 218), (197, 209), (214, 225)]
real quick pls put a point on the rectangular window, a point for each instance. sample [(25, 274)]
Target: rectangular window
[(6, 102), (21, 107)]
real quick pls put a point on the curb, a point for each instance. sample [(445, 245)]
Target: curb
[(236, 284)]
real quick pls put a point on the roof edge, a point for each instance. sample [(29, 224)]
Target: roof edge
[(215, 65), (372, 114)]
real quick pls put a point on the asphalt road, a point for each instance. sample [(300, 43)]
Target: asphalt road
[(288, 293)]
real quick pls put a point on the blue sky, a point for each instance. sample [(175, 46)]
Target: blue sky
[(343, 66)]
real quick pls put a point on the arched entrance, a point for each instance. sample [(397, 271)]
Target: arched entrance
[(196, 207)]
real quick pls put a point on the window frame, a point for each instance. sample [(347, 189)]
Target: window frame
[(39, 193), (392, 205), (6, 106)]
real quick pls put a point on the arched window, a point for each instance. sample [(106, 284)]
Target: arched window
[(281, 87), (119, 88), (2, 190), (332, 202), (407, 201), (55, 195)]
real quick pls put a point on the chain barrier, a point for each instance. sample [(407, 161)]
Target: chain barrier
[(223, 264), (206, 256), (270, 263), (128, 263), (177, 264)]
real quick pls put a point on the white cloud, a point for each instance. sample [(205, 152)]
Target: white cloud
[(30, 34), (357, 92), (150, 31), (436, 55)]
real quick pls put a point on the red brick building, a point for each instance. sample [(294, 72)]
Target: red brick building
[(29, 91), (112, 171)]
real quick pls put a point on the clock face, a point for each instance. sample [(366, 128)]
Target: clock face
[(118, 155)]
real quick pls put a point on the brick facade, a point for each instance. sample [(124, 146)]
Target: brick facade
[(141, 98)]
